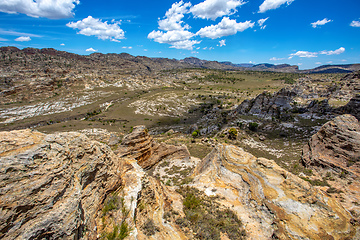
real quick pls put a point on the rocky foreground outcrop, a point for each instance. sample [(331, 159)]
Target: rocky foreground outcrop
[(51, 186), (336, 145), (271, 202), (141, 146), (67, 186)]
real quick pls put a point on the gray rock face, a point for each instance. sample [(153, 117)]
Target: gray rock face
[(51, 186), (352, 107), (335, 145), (267, 104), (304, 97)]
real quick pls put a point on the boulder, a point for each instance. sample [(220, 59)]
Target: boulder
[(141, 146), (352, 107), (51, 186), (336, 145)]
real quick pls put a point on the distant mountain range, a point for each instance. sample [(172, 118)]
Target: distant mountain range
[(124, 61)]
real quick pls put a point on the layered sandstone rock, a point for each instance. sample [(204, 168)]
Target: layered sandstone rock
[(51, 186), (333, 154), (141, 146), (271, 202), (67, 186), (335, 145)]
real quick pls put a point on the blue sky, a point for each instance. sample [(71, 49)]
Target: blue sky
[(302, 32)]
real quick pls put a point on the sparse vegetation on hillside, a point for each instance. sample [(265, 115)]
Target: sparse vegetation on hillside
[(207, 218)]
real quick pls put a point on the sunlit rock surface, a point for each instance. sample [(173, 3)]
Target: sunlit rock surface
[(270, 201), (141, 146), (51, 186), (336, 145)]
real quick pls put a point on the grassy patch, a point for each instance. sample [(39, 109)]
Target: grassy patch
[(316, 182), (207, 218), (111, 203), (119, 232)]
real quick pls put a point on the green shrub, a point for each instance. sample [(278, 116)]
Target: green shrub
[(253, 126), (233, 133), (191, 201), (195, 133)]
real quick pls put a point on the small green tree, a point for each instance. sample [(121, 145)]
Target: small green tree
[(233, 133)]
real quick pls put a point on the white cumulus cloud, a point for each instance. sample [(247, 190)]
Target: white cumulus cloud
[(186, 44), (179, 39), (320, 22), (212, 9), (174, 29), (95, 27), (173, 17), (355, 23), (222, 43), (335, 52), (224, 28), (272, 4), (303, 54), (261, 22), (23, 39), (62, 44), (53, 9), (91, 50)]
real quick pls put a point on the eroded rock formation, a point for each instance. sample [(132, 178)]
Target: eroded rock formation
[(335, 145), (141, 146), (270, 201), (67, 186), (333, 155), (352, 107), (267, 104), (51, 186)]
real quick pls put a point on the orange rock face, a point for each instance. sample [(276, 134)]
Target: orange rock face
[(141, 146), (270, 201)]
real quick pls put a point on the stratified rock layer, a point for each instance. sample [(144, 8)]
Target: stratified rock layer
[(336, 145), (271, 202), (67, 186), (51, 186), (141, 146)]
